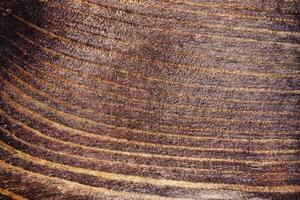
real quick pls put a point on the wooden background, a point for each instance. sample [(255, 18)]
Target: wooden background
[(132, 99)]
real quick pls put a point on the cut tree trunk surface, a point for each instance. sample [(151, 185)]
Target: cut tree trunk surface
[(152, 99)]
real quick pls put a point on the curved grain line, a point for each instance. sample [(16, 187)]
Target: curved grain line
[(89, 148), (142, 155), (217, 70), (101, 161), (265, 112), (81, 189), (137, 75), (151, 181), (73, 131), (238, 89), (262, 18), (155, 133), (70, 27), (125, 22), (11, 134), (11, 194), (136, 89), (218, 5), (81, 108), (197, 34), (189, 117), (56, 125), (125, 164), (180, 66), (167, 105), (189, 53), (230, 6), (219, 36)]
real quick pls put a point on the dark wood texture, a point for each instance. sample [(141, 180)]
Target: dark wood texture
[(132, 99)]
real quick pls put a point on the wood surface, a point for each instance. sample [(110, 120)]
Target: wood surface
[(149, 99)]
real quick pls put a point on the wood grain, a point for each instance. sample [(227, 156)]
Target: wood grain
[(168, 99)]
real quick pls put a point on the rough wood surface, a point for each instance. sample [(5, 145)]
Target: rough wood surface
[(152, 99)]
